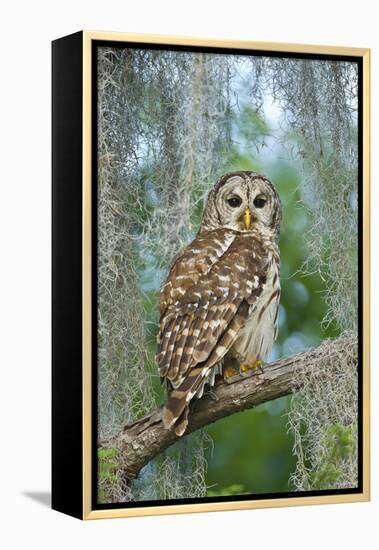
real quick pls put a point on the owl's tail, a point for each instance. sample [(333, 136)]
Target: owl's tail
[(175, 411)]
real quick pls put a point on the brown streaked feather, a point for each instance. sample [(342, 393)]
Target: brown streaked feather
[(229, 336), (163, 342), (200, 297), (170, 352), (179, 398), (182, 422), (180, 346), (176, 409)]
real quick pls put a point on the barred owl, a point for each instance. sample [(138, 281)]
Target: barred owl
[(219, 305)]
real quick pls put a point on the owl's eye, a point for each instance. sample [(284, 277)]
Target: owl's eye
[(259, 202), (234, 202)]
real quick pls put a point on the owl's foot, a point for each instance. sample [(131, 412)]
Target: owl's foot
[(238, 367), (231, 370), (248, 366)]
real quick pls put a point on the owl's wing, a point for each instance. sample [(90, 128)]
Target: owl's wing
[(205, 302)]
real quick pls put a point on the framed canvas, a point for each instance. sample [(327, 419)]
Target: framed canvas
[(210, 275)]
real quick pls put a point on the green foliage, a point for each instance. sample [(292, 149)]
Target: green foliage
[(252, 126), (107, 472), (234, 489), (339, 443), (252, 450)]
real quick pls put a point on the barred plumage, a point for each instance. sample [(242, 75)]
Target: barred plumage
[(222, 294)]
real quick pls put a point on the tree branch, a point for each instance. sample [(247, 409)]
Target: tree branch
[(141, 441)]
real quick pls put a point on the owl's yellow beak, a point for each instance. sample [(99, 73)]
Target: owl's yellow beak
[(247, 218)]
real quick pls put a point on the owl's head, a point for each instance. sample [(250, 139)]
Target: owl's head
[(243, 201)]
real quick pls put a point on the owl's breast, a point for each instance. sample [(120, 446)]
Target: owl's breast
[(260, 331)]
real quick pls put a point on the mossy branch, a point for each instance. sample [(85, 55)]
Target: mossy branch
[(140, 442)]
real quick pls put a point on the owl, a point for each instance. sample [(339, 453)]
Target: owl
[(219, 305)]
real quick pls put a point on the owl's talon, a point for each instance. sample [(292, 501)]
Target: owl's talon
[(247, 367), (242, 368), (230, 372)]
